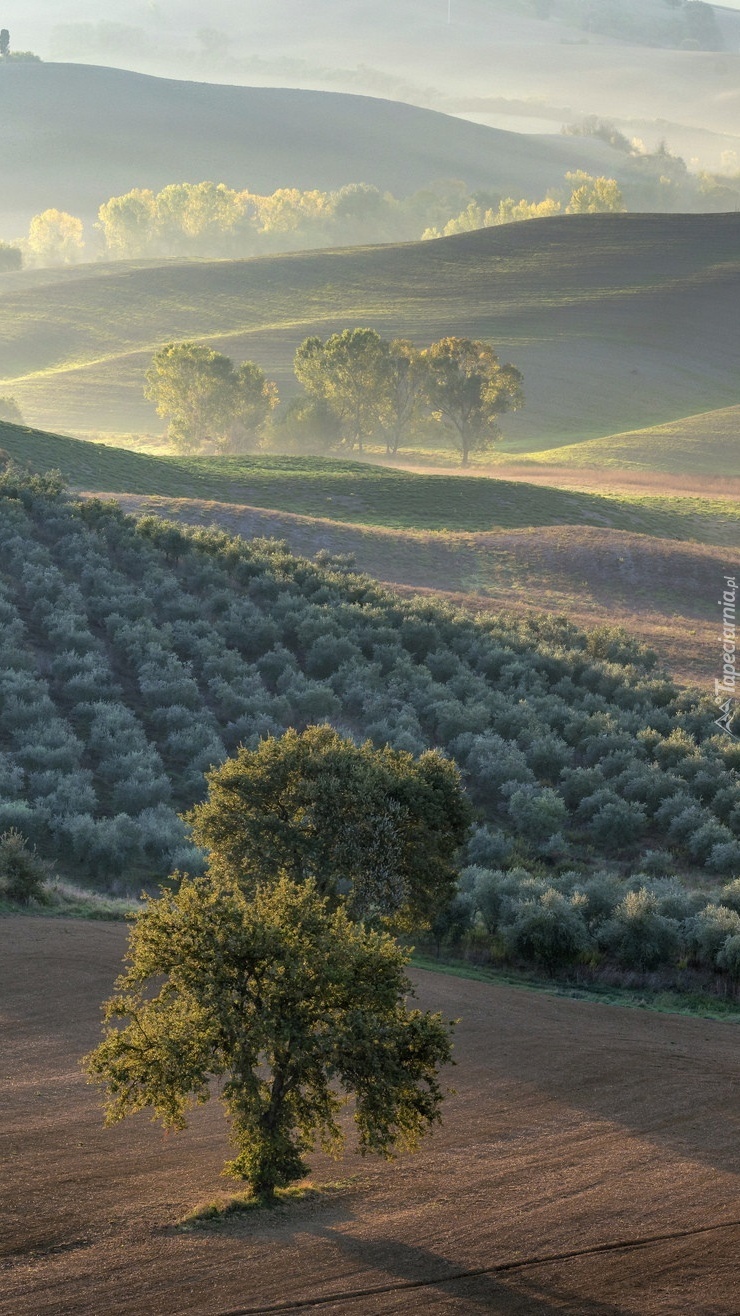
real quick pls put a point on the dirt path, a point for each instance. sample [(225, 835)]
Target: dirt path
[(588, 1164)]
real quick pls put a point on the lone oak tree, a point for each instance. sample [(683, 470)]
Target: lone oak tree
[(468, 389), (292, 1006), (375, 828)]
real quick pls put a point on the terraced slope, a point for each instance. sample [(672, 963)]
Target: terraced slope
[(661, 590), (617, 321)]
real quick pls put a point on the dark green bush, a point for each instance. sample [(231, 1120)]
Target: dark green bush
[(22, 872)]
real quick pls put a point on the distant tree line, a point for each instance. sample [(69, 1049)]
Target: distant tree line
[(211, 220), (358, 387), (11, 257), (6, 54), (678, 24)]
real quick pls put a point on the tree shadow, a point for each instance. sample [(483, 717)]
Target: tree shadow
[(513, 1293)]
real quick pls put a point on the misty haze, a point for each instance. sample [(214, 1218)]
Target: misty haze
[(369, 526)]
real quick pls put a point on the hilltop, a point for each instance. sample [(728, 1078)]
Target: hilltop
[(511, 63), (618, 322), (76, 135)]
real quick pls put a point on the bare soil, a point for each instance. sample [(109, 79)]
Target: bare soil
[(588, 1163)]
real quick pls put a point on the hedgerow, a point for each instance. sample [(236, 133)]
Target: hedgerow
[(594, 921)]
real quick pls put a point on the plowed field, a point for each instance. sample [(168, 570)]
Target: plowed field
[(588, 1163)]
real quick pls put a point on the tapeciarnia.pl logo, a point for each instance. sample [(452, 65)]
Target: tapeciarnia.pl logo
[(725, 691)]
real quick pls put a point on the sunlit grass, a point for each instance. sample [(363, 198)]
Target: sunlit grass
[(226, 1210), (363, 494), (62, 899)]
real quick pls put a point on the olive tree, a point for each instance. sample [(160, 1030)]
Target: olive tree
[(293, 1007)]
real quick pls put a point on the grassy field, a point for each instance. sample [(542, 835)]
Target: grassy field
[(618, 322), (582, 1177), (707, 444), (363, 494)]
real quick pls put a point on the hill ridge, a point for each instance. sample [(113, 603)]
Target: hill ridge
[(125, 129)]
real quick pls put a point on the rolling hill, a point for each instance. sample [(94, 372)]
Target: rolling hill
[(76, 135), (509, 63), (618, 322), (367, 495), (707, 444)]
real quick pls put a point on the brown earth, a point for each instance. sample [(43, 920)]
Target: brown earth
[(581, 479), (588, 1163), (663, 591)]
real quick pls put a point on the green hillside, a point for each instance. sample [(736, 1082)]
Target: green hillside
[(114, 130), (363, 494), (708, 444), (618, 321)]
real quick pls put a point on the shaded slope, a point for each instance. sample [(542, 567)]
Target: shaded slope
[(368, 495), (77, 134), (617, 321)]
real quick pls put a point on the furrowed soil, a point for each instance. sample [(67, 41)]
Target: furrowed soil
[(588, 1163)]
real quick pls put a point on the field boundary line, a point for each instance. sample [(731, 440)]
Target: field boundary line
[(501, 1268)]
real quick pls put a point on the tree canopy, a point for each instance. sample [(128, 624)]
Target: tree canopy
[(293, 1006), (469, 389), (207, 399), (374, 826), (56, 238), (11, 257), (349, 371)]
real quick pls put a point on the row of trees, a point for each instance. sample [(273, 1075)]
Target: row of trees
[(588, 196), (358, 386), (213, 220), (646, 924)]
